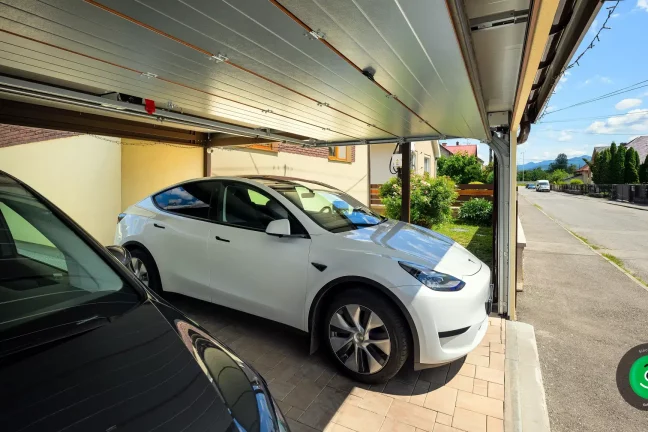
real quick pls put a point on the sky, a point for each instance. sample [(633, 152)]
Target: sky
[(619, 60)]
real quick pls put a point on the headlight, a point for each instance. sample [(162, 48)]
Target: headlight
[(432, 279)]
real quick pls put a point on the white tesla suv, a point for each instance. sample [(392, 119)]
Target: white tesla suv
[(373, 291)]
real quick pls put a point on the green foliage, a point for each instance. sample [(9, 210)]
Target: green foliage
[(557, 176), (533, 175), (617, 169), (477, 211), (571, 169), (490, 178), (576, 182), (461, 168), (643, 171), (600, 167), (431, 199), (476, 182), (631, 171), (561, 163)]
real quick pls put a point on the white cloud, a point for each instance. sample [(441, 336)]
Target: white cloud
[(597, 79), (616, 15), (628, 103), (634, 120), (551, 108), (595, 27), (642, 4), (565, 136)]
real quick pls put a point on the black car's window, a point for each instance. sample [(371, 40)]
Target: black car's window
[(190, 199), (48, 274)]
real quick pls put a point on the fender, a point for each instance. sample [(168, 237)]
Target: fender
[(315, 309)]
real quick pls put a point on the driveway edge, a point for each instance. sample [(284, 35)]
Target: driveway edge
[(525, 406)]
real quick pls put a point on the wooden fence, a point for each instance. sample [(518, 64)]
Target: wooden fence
[(466, 192)]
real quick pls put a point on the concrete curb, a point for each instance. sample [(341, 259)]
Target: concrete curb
[(632, 206), (525, 406)]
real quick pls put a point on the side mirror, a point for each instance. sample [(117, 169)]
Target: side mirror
[(122, 254), (279, 228)]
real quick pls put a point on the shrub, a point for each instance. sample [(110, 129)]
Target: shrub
[(490, 179), (476, 182), (477, 211), (461, 168), (431, 199), (576, 182)]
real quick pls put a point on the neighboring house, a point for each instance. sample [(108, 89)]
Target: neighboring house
[(94, 178), (640, 144), (469, 149), (584, 174), (423, 158)]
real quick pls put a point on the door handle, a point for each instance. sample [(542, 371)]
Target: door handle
[(158, 226), (222, 239)]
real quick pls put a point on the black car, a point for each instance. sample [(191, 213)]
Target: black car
[(85, 347)]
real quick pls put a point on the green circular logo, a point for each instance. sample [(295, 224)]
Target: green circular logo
[(632, 377), (638, 377)]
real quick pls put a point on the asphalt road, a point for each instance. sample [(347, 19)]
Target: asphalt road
[(587, 314), (620, 231)]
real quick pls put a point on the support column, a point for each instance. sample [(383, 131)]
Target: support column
[(207, 162), (503, 149), (406, 151)]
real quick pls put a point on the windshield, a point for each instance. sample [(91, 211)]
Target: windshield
[(49, 277), (543, 182), (329, 208)]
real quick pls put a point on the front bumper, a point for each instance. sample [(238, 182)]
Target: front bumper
[(449, 324)]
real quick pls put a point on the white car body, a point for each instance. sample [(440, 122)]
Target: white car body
[(543, 186), (276, 277)]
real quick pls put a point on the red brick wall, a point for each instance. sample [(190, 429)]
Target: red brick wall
[(14, 135), (310, 151)]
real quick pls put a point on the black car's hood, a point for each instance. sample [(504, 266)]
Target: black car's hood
[(149, 370)]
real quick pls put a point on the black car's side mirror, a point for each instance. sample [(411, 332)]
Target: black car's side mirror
[(122, 254)]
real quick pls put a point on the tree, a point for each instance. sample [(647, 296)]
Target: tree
[(461, 168), (617, 169), (643, 171), (571, 169), (631, 174), (561, 163), (604, 160), (558, 176)]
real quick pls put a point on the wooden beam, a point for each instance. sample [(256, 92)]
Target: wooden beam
[(39, 116), (224, 140), (406, 151)]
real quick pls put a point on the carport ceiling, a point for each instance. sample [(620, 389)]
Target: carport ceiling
[(334, 71)]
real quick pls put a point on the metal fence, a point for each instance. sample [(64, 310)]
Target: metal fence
[(632, 193)]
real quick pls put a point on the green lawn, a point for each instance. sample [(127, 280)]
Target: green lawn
[(477, 239)]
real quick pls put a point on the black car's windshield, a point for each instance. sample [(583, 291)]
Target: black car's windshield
[(330, 208), (49, 277)]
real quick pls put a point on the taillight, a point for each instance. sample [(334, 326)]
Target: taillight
[(120, 216)]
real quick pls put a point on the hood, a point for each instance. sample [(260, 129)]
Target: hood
[(421, 245), (150, 369)]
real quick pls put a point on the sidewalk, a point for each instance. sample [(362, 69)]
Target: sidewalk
[(587, 314)]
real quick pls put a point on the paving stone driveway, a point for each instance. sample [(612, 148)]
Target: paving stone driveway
[(466, 395)]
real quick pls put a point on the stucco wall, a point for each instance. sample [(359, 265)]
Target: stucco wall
[(381, 155), (80, 174), (149, 168), (349, 177)]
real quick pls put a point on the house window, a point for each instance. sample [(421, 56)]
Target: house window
[(340, 153), (413, 162), (426, 164), (272, 147)]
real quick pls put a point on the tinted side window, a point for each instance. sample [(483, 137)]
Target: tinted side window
[(191, 199)]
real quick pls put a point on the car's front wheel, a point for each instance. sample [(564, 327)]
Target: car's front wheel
[(366, 336), (144, 268)]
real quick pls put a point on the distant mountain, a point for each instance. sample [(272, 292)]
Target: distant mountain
[(576, 160)]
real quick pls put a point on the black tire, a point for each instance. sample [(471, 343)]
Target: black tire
[(394, 326), (154, 283)]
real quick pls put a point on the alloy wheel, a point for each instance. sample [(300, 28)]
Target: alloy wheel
[(359, 339), (140, 271)]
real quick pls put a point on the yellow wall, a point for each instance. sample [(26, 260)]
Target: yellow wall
[(381, 155), (348, 177), (80, 174), (148, 168)]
